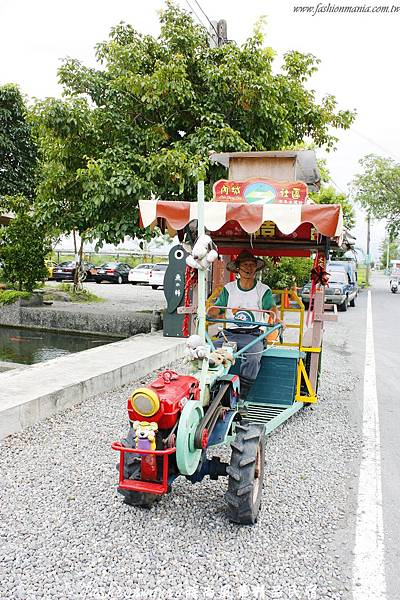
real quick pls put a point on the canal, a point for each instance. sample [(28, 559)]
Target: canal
[(31, 346)]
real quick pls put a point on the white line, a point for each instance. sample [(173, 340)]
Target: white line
[(369, 566)]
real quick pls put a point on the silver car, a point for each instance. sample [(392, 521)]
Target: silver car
[(340, 291)]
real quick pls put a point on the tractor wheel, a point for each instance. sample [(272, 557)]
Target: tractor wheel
[(132, 471), (246, 473)]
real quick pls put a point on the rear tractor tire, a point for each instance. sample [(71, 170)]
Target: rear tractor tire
[(246, 473)]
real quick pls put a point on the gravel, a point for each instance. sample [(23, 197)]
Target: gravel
[(65, 532)]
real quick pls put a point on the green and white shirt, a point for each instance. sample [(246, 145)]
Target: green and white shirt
[(234, 296)]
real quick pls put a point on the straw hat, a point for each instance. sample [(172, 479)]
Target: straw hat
[(244, 256)]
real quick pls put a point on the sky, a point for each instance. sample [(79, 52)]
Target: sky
[(358, 53)]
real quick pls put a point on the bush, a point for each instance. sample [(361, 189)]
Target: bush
[(287, 272), (10, 296), (23, 246)]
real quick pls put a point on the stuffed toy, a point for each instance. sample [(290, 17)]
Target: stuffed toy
[(221, 356), (145, 435), (195, 350), (203, 254)]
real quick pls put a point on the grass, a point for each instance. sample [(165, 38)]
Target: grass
[(10, 296), (79, 295), (362, 276)]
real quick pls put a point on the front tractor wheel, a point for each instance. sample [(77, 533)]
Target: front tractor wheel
[(132, 470), (246, 473)]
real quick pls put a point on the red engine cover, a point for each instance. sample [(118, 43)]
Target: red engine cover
[(171, 389)]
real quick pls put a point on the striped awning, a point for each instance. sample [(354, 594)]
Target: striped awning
[(326, 218)]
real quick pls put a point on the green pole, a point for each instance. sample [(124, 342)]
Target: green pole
[(201, 311)]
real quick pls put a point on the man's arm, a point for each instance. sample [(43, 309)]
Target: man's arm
[(268, 303), (221, 301)]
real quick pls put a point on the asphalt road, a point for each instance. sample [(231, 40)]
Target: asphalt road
[(351, 330), (386, 324)]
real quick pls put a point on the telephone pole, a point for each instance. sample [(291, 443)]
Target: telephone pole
[(218, 33), (368, 247)]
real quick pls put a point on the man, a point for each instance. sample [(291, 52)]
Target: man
[(238, 298)]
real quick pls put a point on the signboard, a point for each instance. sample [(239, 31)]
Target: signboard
[(260, 191)]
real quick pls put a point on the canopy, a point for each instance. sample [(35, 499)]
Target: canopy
[(326, 218)]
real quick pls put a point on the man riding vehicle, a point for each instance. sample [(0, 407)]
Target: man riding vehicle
[(240, 300)]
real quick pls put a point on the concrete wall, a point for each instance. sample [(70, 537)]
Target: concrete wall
[(117, 323)]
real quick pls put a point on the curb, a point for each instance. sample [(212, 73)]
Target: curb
[(37, 392)]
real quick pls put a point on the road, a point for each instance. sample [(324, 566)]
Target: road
[(351, 329), (386, 320)]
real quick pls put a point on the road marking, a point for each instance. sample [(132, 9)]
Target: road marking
[(369, 567)]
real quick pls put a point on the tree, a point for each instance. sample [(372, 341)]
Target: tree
[(393, 247), (377, 189), (23, 245), (143, 124), (18, 153), (287, 272), (328, 195)]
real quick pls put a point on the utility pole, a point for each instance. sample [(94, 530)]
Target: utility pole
[(368, 247), (388, 252), (218, 33)]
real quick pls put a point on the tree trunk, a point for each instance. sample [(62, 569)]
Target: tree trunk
[(78, 267)]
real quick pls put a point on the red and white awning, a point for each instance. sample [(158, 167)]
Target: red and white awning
[(326, 218)]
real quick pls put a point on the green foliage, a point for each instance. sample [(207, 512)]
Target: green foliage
[(143, 124), (394, 251), (287, 272), (23, 246), (377, 189), (18, 153), (10, 296), (328, 195)]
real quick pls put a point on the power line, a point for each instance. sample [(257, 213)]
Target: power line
[(199, 20), (338, 186), (216, 32), (375, 144)]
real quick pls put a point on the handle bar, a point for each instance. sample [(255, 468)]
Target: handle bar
[(242, 323)]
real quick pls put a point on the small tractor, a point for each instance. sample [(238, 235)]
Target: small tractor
[(177, 420)]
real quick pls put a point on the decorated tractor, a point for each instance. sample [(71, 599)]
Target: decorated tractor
[(177, 420)]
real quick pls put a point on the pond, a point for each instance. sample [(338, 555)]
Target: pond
[(30, 346)]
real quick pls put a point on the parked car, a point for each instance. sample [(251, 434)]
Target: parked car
[(140, 273), (113, 271), (340, 290), (50, 266), (157, 274), (66, 271)]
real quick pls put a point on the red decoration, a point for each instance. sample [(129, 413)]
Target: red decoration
[(190, 279)]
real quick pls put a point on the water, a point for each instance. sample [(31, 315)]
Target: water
[(30, 346)]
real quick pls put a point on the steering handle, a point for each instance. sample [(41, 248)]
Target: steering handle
[(243, 323)]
